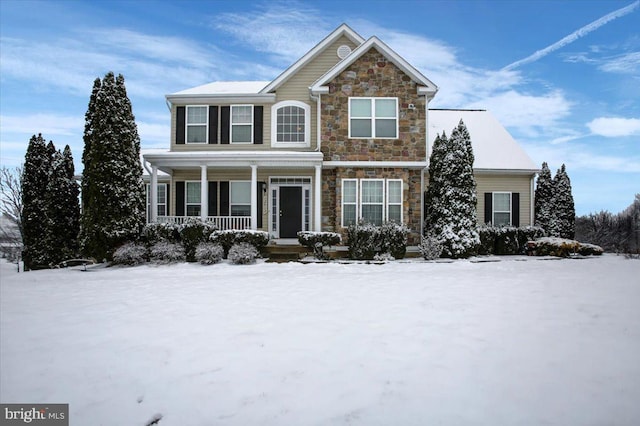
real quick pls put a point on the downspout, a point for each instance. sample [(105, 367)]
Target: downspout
[(318, 119), (533, 201)]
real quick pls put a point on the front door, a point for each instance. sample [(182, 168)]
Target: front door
[(290, 211)]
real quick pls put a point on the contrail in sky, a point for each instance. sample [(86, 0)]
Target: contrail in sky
[(575, 35)]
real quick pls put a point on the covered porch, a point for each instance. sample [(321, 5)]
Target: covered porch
[(278, 192)]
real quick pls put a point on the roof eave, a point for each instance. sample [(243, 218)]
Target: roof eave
[(222, 98)]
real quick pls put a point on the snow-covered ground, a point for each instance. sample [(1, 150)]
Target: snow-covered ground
[(536, 342)]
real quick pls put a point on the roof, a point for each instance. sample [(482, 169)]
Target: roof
[(225, 88), (493, 147), (429, 88)]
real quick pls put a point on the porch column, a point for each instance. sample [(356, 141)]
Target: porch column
[(153, 194), (204, 193), (317, 200), (254, 197)]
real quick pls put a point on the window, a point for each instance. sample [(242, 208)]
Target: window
[(374, 201), (240, 198), (373, 118), (241, 123), (192, 200), (501, 208), (349, 201), (162, 200), (290, 124), (197, 124)]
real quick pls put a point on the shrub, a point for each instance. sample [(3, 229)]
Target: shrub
[(193, 232), (154, 233), (430, 247), (316, 241), (243, 254), (383, 257), (228, 238), (130, 254), (487, 236), (393, 239), (164, 252), (529, 233), (590, 250), (363, 239), (506, 240), (209, 253), (560, 247)]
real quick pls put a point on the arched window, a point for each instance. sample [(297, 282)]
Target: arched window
[(290, 124)]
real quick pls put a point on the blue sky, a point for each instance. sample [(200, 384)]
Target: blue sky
[(562, 76)]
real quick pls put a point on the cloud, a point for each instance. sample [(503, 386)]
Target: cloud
[(575, 35), (613, 127), (47, 124), (628, 63)]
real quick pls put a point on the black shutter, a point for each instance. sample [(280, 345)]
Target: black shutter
[(213, 124), (257, 124), (515, 209), (225, 119), (261, 186), (180, 198), (167, 197), (488, 207), (180, 123), (213, 198), (224, 198)]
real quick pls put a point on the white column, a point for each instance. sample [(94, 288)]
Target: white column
[(254, 197), (204, 193), (154, 194), (317, 200)]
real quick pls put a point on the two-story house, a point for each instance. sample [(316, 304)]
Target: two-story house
[(342, 134)]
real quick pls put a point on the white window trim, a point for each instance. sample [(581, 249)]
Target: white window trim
[(274, 125), (159, 204), (342, 203), (186, 125), (231, 194), (231, 124), (373, 118), (384, 199), (401, 203), (186, 198), (493, 207)]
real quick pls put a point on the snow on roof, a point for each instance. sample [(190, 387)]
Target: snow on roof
[(226, 88), (493, 146)]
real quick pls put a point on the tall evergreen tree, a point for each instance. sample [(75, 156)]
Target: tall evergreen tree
[(543, 206), (451, 214), (35, 180), (563, 220), (112, 187)]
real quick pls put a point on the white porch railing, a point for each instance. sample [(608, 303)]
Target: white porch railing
[(220, 222)]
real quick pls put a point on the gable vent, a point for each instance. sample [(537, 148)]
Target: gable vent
[(343, 51)]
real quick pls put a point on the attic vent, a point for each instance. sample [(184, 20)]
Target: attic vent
[(343, 51)]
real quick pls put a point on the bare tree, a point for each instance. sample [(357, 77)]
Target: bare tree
[(11, 209)]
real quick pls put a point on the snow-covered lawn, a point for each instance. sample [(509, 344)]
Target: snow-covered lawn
[(536, 342)]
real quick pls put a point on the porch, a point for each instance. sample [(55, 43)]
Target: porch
[(220, 222)]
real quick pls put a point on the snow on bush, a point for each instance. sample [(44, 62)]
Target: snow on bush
[(393, 239), (228, 238), (506, 240), (367, 240), (316, 241), (154, 233), (243, 254), (164, 252), (561, 247), (430, 247), (193, 232), (130, 254), (383, 257), (209, 253)]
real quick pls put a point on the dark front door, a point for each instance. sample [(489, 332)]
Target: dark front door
[(290, 211)]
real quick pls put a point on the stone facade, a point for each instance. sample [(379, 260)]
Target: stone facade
[(373, 76)]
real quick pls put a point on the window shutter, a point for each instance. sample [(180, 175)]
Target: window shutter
[(180, 123), (213, 124), (261, 186), (225, 122), (213, 198), (488, 207), (167, 199), (515, 209), (180, 198), (224, 198), (257, 124)]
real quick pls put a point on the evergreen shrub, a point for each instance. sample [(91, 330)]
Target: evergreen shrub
[(243, 253), (228, 238), (316, 241), (430, 247), (363, 240), (209, 253), (130, 254), (193, 232), (154, 233), (393, 239), (165, 252)]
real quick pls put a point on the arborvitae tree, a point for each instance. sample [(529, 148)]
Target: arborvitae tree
[(112, 187), (35, 180), (544, 198), (563, 220), (452, 209), (70, 193)]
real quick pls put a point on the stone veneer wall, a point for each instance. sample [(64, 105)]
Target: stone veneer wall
[(373, 76), (332, 195)]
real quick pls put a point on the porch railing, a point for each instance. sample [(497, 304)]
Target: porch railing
[(220, 222)]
